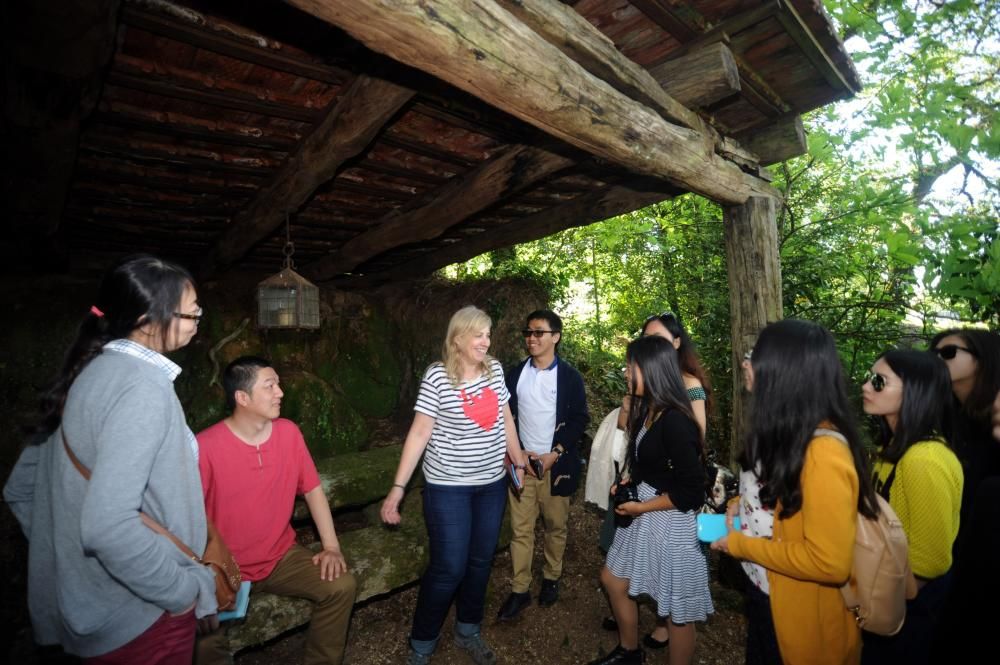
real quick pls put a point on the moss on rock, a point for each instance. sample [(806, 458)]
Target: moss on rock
[(328, 422)]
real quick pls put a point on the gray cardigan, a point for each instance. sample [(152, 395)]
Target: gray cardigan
[(97, 577)]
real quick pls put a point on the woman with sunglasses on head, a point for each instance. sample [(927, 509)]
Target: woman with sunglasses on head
[(698, 388), (112, 442), (804, 443), (655, 550), (916, 471), (973, 360)]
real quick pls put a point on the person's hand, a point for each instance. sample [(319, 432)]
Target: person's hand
[(631, 508), (548, 459), (208, 624), (390, 506), (331, 563), (732, 510), (721, 545)]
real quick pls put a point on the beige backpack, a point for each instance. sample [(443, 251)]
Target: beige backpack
[(881, 580)]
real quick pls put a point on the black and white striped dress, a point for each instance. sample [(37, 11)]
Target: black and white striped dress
[(468, 442), (660, 556)]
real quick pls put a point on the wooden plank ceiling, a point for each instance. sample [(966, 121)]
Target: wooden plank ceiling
[(215, 120)]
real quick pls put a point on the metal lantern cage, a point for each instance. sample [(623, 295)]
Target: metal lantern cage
[(287, 300)]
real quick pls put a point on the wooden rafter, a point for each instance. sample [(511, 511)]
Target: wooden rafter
[(481, 48), (357, 116), (462, 196), (585, 209)]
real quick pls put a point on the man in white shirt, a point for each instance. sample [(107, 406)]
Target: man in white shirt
[(550, 410)]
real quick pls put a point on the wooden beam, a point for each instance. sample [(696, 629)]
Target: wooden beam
[(477, 46), (229, 100), (194, 32), (700, 78), (168, 126), (463, 196), (754, 268), (579, 40), (55, 54), (776, 142), (812, 49), (671, 18), (356, 117), (586, 209)]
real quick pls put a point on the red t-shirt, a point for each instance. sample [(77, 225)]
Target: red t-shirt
[(250, 491)]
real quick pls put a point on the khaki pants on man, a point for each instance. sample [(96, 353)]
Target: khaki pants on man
[(296, 576), (537, 497)]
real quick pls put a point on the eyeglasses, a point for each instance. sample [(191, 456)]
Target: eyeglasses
[(537, 334), (948, 351), (877, 381), (190, 317)]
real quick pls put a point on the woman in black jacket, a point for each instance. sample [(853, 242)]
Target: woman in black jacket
[(657, 553)]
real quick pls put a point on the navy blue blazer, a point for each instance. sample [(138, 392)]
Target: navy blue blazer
[(571, 420)]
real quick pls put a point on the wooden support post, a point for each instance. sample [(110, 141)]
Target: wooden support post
[(348, 128), (754, 288)]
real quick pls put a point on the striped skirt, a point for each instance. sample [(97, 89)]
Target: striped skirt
[(660, 556)]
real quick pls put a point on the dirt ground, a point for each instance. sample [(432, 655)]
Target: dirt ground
[(567, 633)]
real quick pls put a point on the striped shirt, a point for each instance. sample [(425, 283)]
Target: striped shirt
[(468, 442)]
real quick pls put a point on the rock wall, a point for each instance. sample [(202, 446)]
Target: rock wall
[(350, 386)]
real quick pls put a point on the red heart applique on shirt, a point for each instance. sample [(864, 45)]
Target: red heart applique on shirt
[(482, 408)]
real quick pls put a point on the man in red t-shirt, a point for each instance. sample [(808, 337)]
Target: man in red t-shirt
[(253, 464)]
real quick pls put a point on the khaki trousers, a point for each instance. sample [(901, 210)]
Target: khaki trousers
[(296, 576), (537, 497)]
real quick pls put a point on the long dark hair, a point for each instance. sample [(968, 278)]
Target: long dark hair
[(985, 346), (662, 384), (798, 383), (137, 291), (925, 411), (687, 353)]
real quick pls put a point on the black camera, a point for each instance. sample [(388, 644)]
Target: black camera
[(625, 492)]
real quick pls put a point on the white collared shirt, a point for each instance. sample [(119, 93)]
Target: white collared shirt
[(536, 406)]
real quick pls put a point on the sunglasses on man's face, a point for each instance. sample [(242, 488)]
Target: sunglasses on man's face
[(948, 351), (877, 381), (537, 334)]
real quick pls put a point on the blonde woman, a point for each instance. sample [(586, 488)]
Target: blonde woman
[(464, 425)]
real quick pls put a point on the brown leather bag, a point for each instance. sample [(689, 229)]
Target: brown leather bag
[(217, 555)]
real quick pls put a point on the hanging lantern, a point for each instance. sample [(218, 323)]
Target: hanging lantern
[(287, 300)]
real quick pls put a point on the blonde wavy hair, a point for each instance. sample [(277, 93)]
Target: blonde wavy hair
[(468, 320)]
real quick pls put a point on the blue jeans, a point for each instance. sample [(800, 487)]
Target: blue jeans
[(463, 526)]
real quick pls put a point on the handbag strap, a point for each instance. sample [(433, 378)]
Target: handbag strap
[(150, 523)]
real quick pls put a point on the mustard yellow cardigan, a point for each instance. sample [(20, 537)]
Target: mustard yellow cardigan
[(809, 558)]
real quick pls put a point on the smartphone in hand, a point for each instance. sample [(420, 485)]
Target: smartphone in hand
[(537, 466)]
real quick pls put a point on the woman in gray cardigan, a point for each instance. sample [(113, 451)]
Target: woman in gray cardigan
[(101, 583)]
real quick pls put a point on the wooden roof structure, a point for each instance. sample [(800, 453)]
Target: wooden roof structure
[(395, 137)]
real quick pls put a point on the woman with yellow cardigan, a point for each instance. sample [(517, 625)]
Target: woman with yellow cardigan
[(921, 478), (816, 485)]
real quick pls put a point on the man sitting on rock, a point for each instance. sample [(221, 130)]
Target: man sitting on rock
[(253, 464)]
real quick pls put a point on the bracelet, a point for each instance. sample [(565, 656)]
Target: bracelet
[(402, 487)]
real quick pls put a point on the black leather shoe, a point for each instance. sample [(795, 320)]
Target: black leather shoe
[(651, 642), (620, 656), (549, 593), (513, 605)]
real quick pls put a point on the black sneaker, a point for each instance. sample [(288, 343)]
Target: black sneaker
[(513, 605), (549, 594), (621, 656)]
